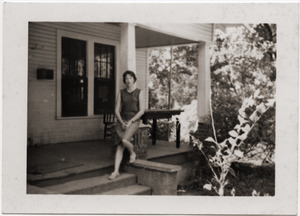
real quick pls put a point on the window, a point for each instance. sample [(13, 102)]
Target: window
[(74, 77), (104, 83), (86, 74)]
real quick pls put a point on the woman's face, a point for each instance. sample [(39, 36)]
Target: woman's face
[(129, 80)]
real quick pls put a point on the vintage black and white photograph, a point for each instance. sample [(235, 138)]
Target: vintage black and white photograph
[(141, 108), (151, 109)]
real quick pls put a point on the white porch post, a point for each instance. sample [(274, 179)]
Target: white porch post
[(127, 58), (127, 51), (203, 88)]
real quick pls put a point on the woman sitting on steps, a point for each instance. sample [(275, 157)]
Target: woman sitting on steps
[(129, 109)]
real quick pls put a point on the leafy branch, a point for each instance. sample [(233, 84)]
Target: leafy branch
[(223, 160)]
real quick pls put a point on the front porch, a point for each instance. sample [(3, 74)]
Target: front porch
[(56, 114), (55, 120), (56, 164)]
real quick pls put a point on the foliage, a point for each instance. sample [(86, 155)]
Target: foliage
[(241, 63), (243, 75), (181, 77), (231, 149), (243, 89), (245, 182), (176, 84)]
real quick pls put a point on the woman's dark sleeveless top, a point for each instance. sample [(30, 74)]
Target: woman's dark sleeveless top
[(129, 103)]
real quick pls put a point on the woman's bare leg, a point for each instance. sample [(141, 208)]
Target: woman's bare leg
[(118, 158), (129, 146)]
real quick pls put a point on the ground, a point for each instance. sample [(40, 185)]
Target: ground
[(248, 178)]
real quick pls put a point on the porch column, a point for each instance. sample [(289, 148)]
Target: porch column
[(127, 58), (203, 88)]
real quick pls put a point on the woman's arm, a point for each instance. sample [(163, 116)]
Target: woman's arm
[(118, 109), (141, 107)]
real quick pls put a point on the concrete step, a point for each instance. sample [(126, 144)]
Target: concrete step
[(37, 190), (93, 185), (67, 176), (130, 190)]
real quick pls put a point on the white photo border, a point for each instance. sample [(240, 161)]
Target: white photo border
[(15, 87)]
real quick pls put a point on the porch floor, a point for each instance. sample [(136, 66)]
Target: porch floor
[(58, 160)]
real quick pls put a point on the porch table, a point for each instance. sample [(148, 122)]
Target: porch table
[(162, 114)]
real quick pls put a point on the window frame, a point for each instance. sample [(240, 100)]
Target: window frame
[(90, 40), (72, 80), (106, 79)]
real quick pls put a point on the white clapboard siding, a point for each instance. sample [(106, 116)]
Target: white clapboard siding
[(43, 127), (142, 71)]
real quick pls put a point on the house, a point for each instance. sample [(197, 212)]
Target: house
[(75, 71)]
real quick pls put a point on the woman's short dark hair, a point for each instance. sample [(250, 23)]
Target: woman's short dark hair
[(131, 73)]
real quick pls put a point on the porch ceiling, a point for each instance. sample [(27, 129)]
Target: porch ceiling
[(224, 26), (149, 38)]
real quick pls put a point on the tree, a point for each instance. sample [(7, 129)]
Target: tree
[(181, 76), (243, 101), (173, 83), (159, 67), (241, 63)]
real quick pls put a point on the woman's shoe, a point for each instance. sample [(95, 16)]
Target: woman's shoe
[(132, 158), (113, 176)]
